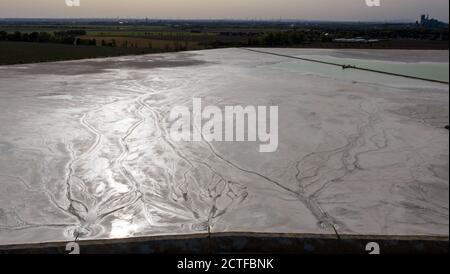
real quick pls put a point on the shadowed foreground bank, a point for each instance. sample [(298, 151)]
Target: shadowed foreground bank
[(24, 52), (230, 243)]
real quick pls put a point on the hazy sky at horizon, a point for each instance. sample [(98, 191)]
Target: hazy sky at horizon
[(239, 9)]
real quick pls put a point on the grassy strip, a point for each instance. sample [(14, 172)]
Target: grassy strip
[(24, 52)]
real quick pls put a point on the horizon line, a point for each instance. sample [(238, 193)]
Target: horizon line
[(398, 21)]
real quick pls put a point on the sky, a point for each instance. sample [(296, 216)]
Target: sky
[(354, 10)]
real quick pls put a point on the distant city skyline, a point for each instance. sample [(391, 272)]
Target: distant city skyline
[(326, 10)]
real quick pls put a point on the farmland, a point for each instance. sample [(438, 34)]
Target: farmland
[(55, 40)]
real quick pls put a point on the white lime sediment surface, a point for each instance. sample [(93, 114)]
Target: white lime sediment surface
[(84, 149)]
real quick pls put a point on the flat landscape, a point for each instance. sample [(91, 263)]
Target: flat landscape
[(85, 152), (25, 41)]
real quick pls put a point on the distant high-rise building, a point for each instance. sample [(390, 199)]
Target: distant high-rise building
[(426, 21)]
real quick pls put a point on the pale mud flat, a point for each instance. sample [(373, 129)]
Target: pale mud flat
[(85, 151)]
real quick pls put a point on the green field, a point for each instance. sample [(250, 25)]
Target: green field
[(23, 52), (107, 30), (109, 40)]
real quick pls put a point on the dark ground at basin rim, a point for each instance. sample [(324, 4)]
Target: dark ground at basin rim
[(24, 52), (244, 244)]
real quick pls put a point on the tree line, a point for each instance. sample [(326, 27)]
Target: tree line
[(297, 37), (60, 37)]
